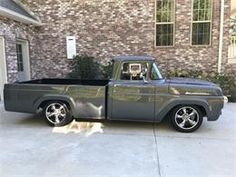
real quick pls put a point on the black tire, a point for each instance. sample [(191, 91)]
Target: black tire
[(60, 116), (182, 121)]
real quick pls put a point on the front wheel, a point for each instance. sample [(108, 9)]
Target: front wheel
[(57, 113), (186, 118)]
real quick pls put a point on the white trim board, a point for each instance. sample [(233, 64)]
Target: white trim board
[(18, 17), (3, 66)]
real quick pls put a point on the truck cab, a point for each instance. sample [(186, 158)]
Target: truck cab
[(133, 89)]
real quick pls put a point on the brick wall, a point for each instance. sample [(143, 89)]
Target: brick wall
[(106, 28)]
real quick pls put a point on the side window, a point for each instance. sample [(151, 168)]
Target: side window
[(154, 75), (133, 71)]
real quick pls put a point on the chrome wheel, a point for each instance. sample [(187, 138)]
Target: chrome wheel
[(186, 118), (55, 113)]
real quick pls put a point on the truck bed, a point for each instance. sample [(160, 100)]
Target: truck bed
[(67, 82), (87, 98)]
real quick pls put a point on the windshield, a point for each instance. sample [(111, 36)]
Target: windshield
[(156, 74)]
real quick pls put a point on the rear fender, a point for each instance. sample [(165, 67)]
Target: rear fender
[(51, 97)]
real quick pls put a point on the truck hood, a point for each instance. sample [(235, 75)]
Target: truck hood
[(189, 81), (189, 86)]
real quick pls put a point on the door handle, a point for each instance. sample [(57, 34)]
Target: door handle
[(116, 85)]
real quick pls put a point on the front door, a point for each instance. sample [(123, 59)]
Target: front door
[(133, 101), (132, 98), (23, 66), (3, 72)]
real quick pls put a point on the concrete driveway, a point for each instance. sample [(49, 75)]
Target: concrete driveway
[(30, 148)]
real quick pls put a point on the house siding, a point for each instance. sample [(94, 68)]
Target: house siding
[(108, 28)]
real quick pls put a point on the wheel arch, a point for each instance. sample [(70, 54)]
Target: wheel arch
[(201, 104), (42, 101)]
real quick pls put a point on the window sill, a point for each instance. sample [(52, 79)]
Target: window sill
[(164, 47), (232, 61), (201, 46)]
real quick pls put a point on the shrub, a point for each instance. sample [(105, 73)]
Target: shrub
[(87, 68), (84, 67)]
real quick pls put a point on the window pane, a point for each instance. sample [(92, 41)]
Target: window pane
[(201, 33), (19, 56), (154, 75), (164, 10), (164, 22), (195, 4), (164, 34), (158, 11), (201, 22), (201, 10)]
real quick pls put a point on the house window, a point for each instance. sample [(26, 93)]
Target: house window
[(165, 15), (201, 22), (19, 54)]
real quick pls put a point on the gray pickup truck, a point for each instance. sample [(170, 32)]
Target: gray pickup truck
[(136, 92)]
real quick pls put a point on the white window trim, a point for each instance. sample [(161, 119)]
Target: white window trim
[(4, 57), (232, 60), (174, 21), (5, 73), (206, 21)]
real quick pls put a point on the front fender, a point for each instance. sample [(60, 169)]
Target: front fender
[(169, 105)]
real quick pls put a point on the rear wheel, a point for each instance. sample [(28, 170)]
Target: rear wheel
[(57, 113), (186, 118)]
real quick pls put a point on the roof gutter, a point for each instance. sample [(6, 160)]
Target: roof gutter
[(26, 8), (221, 37), (18, 17)]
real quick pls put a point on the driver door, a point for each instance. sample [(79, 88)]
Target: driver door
[(131, 97)]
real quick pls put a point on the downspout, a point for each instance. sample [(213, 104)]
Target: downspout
[(221, 37)]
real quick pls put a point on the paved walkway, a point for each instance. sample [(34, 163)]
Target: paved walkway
[(29, 148)]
